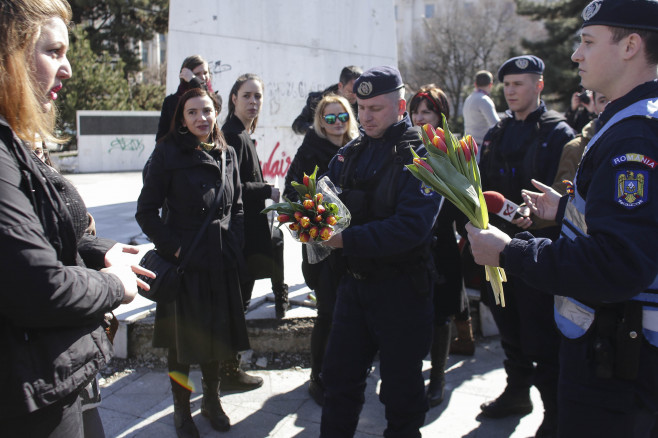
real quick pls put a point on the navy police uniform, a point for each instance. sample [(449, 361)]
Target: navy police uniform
[(605, 264), (384, 299), (514, 152)]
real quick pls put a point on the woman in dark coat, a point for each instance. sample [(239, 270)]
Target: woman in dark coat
[(450, 298), (263, 250), (334, 126), (194, 73), (53, 298), (205, 324)]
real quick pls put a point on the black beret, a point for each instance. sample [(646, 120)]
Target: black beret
[(376, 81), (520, 65), (633, 14)]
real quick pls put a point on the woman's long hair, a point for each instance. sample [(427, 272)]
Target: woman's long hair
[(234, 92), (20, 101), (192, 62), (436, 99), (352, 127), (187, 141)]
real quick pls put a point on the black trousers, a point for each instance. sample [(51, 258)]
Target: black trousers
[(529, 338)]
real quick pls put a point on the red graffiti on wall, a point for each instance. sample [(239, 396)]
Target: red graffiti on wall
[(277, 164)]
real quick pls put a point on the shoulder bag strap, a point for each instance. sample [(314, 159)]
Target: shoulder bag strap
[(209, 217)]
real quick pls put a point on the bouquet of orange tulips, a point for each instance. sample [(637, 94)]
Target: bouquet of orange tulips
[(450, 168), (316, 217)]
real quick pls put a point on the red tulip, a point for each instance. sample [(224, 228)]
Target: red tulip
[(331, 220), (298, 215), (421, 163), (441, 134), (305, 180), (472, 145), (318, 218), (294, 227), (283, 218), (305, 222), (440, 144), (304, 237), (429, 130), (307, 196), (313, 232), (325, 233), (318, 198), (467, 151), (320, 209), (308, 204)]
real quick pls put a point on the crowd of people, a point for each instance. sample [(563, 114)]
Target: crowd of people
[(580, 321)]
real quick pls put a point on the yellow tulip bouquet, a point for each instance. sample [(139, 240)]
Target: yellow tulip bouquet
[(450, 169), (316, 217)]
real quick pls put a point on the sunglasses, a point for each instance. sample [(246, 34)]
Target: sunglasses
[(331, 118)]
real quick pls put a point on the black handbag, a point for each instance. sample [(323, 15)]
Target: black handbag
[(168, 279)]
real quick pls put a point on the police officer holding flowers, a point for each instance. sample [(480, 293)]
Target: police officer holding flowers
[(384, 300), (603, 269)]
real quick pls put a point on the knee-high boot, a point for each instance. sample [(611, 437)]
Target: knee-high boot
[(464, 343), (185, 427), (439, 356), (211, 406)]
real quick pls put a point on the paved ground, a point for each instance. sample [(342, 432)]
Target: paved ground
[(139, 404)]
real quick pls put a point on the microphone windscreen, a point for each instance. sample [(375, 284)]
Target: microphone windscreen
[(495, 201)]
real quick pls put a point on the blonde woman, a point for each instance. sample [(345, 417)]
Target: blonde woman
[(334, 126)]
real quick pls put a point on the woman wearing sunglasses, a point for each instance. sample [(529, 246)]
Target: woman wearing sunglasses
[(334, 126), (427, 106)]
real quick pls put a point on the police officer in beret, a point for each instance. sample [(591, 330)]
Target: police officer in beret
[(603, 269), (525, 145), (384, 299)]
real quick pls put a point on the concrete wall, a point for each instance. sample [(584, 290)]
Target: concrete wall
[(115, 141), (295, 46)]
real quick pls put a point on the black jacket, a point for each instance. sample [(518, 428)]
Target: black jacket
[(206, 322), (516, 151), (255, 191), (51, 317), (314, 151)]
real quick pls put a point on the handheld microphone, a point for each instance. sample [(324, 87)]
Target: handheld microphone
[(501, 207)]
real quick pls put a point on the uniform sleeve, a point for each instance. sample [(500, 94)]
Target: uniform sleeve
[(618, 257), (151, 199), (37, 289), (411, 224)]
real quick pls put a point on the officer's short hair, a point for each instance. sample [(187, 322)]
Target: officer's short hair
[(650, 41), (348, 73), (483, 78)]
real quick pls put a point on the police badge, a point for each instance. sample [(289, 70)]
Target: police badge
[(522, 63), (630, 188), (591, 10), (365, 88)]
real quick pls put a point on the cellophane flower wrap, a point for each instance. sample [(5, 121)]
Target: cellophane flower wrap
[(317, 216), (450, 168)]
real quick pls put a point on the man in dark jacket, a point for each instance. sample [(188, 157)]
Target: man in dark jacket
[(343, 88), (526, 144), (603, 269), (384, 300)]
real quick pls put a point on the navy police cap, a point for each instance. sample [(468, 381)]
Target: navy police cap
[(376, 81), (633, 14), (521, 64)]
